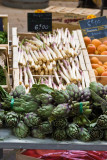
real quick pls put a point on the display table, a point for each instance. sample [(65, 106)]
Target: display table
[(8, 141)]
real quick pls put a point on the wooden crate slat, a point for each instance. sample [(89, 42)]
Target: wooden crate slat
[(81, 39), (87, 79), (15, 78), (81, 60)]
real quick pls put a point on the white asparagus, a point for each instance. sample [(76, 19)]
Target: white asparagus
[(52, 53), (30, 75), (64, 70), (56, 76), (33, 57), (26, 78), (20, 75), (64, 77)]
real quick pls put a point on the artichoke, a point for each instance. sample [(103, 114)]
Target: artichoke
[(102, 121), (11, 119), (96, 133), (2, 115), (45, 127), (36, 133), (45, 111), (73, 92), (59, 135), (21, 130), (61, 123), (85, 95), (84, 135), (1, 123), (81, 120), (98, 88), (61, 96), (73, 131), (31, 119), (44, 98), (105, 135), (19, 90), (62, 110)]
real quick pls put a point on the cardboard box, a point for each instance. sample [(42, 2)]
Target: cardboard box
[(69, 17)]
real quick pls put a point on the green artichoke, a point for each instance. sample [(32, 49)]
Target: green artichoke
[(45, 111), (102, 121), (96, 133), (61, 96), (36, 133), (73, 131), (1, 123), (11, 119), (84, 135), (85, 95), (2, 115), (45, 127), (62, 110), (59, 135), (73, 92), (21, 130), (105, 135), (61, 123), (19, 90), (31, 119), (44, 98), (98, 88)]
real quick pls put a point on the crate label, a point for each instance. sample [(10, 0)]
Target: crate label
[(1, 24), (94, 28), (39, 22)]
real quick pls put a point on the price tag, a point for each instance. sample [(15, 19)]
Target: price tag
[(39, 22), (94, 28), (1, 24)]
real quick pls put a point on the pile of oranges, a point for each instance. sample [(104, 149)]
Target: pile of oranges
[(100, 69), (95, 46)]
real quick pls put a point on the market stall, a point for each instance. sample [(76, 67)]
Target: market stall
[(55, 101)]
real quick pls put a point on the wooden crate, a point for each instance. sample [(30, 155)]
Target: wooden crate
[(6, 71), (5, 28), (69, 17), (82, 61), (102, 58)]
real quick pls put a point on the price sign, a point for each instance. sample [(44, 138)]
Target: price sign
[(94, 28), (39, 22), (1, 24)]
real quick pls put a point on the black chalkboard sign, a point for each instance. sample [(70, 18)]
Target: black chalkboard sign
[(1, 24), (94, 28), (39, 22)]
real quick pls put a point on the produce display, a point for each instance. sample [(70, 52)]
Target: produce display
[(100, 69), (3, 37), (95, 46), (2, 68), (62, 115), (52, 59)]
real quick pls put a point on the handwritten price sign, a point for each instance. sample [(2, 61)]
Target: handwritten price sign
[(39, 22), (94, 28)]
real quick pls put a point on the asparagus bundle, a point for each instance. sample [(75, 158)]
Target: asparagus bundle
[(50, 54)]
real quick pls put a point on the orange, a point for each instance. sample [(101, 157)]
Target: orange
[(104, 73), (105, 42), (94, 60), (100, 70), (91, 49), (104, 53), (105, 66), (96, 42), (105, 63), (94, 66), (87, 40), (101, 48), (96, 73), (100, 63)]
